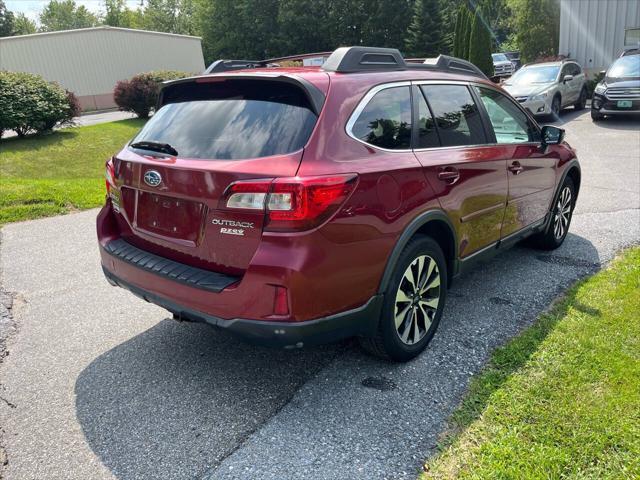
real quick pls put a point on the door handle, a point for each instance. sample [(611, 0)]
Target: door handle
[(516, 168), (449, 175)]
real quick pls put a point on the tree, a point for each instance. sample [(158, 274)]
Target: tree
[(386, 22), (424, 37), (458, 39), (23, 25), (480, 44), (302, 28), (65, 15), (536, 25), (6, 21)]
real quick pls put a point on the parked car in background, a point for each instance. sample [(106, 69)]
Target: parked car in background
[(515, 59), (261, 201), (546, 88), (619, 91), (502, 66)]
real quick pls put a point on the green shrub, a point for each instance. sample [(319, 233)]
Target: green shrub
[(140, 93), (28, 104), (480, 45)]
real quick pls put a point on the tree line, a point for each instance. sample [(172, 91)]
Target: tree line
[(257, 29)]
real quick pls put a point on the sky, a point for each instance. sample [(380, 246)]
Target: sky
[(32, 8)]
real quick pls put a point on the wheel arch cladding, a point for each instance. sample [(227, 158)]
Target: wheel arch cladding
[(434, 224), (574, 174)]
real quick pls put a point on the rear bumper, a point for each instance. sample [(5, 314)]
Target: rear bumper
[(361, 321)]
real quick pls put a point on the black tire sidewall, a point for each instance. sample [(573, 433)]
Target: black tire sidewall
[(552, 238), (394, 347)]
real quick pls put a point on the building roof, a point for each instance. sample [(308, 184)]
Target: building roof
[(94, 29)]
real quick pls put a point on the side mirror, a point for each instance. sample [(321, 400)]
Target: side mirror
[(603, 72), (567, 78), (552, 135)]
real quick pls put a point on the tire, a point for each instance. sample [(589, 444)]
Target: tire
[(561, 216), (596, 116), (410, 317), (556, 107), (582, 100)]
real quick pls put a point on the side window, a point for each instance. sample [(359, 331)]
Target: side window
[(566, 70), (386, 120), (457, 116), (510, 124), (427, 135), (576, 70)]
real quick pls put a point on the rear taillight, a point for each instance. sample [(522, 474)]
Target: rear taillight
[(110, 177), (296, 203)]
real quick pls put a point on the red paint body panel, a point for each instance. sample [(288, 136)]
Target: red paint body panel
[(339, 265)]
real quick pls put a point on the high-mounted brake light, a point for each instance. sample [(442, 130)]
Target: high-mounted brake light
[(291, 204)]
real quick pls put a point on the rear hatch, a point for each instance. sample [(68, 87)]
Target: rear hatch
[(174, 176)]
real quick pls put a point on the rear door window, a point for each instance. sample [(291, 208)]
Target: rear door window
[(427, 134), (233, 119), (456, 114), (385, 121)]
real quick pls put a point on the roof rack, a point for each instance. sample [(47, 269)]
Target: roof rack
[(230, 65), (357, 59), (365, 59)]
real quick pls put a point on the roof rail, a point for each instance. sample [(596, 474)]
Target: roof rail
[(230, 65), (363, 59), (445, 63), (358, 59)]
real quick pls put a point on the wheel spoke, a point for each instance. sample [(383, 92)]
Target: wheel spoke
[(400, 317), (427, 318), (401, 297), (431, 303), (432, 284), (410, 277), (416, 330)]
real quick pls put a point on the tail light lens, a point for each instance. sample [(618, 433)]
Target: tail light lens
[(293, 204), (110, 176)]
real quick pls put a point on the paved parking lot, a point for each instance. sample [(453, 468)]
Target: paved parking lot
[(99, 385)]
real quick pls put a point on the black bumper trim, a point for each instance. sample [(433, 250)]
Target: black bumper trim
[(171, 270), (361, 321)]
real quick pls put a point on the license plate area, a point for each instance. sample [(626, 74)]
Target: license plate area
[(624, 104), (170, 217)]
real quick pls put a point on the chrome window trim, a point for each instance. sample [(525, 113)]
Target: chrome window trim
[(361, 106), (374, 90)]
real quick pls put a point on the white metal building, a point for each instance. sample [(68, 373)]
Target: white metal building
[(595, 32), (90, 61)]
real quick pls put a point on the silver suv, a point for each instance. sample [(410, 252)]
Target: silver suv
[(546, 88)]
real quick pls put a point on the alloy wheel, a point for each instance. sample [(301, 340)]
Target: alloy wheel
[(562, 214), (417, 299)]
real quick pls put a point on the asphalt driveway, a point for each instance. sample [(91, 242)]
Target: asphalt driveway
[(97, 384)]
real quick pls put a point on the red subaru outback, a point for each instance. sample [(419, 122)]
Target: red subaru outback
[(293, 206)]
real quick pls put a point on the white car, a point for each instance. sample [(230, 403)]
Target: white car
[(546, 88), (502, 66)]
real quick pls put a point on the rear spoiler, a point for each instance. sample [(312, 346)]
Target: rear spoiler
[(314, 94)]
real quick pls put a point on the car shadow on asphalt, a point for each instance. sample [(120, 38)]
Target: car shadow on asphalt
[(177, 399), (168, 402), (630, 122)]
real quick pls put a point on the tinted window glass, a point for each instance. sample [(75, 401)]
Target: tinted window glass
[(456, 114), (386, 120), (232, 120), (427, 135), (509, 123)]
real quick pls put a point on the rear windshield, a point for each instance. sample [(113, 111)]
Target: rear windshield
[(232, 119)]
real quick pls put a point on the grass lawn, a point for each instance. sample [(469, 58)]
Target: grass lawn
[(562, 400), (60, 172)]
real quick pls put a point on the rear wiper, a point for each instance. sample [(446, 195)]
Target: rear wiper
[(155, 147)]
